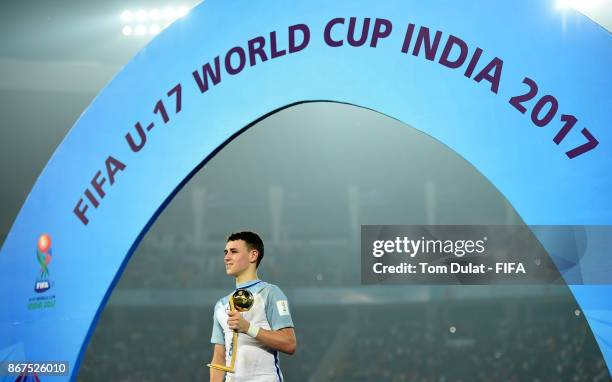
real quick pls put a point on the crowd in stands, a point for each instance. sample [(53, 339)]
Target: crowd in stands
[(480, 342), (534, 340), (163, 344)]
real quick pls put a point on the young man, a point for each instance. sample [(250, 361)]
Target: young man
[(264, 330)]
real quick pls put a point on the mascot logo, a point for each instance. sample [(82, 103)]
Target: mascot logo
[(43, 256)]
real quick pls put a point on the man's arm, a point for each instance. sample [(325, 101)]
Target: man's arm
[(282, 339), (219, 359)]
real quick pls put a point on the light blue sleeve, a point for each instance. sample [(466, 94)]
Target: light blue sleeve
[(277, 309), (217, 331)]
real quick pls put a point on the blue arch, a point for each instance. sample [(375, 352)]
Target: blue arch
[(566, 54)]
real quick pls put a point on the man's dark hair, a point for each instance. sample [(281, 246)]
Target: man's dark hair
[(252, 240)]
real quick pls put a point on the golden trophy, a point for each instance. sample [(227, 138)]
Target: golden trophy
[(241, 300)]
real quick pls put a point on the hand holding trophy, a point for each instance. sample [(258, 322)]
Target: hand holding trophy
[(241, 300)]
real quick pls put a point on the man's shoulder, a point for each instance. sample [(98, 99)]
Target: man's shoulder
[(222, 301), (270, 287), (272, 292)]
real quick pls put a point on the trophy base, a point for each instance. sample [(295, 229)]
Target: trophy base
[(220, 367)]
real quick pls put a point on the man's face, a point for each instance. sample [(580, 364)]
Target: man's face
[(237, 257)]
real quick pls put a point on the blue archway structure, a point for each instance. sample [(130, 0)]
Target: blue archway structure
[(451, 69)]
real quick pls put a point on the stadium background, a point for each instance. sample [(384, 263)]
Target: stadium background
[(308, 200)]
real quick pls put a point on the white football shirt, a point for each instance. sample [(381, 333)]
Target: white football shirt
[(255, 362)]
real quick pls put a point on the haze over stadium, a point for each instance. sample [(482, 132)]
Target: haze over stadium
[(308, 199)]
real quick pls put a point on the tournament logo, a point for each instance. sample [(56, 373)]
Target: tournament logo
[(43, 256)]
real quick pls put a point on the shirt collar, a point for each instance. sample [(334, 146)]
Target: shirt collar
[(247, 283)]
